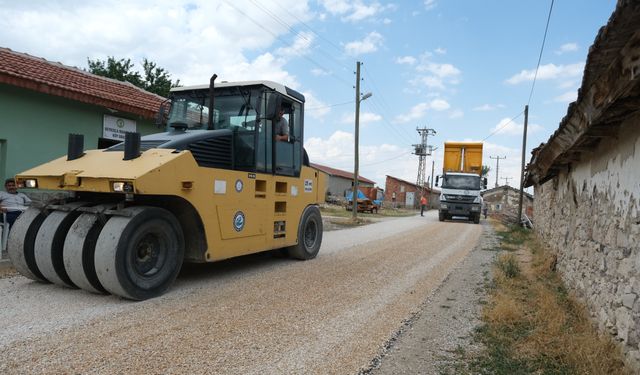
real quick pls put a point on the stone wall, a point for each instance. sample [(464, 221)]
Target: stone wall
[(590, 216)]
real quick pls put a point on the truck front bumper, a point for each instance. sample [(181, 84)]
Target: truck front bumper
[(459, 209)]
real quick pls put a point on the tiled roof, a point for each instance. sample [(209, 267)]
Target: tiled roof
[(609, 94), (33, 73), (412, 184), (340, 173)]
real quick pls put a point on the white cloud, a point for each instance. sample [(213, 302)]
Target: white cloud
[(337, 151), (315, 107), (508, 127), (355, 11), (457, 113), (319, 72), (419, 110), (386, 21), (369, 44), (568, 47), (430, 4), (184, 27), (549, 71), (365, 118), (300, 46), (440, 51), (567, 97), (409, 60), (433, 75), (488, 107)]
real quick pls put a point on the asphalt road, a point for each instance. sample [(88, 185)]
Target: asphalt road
[(252, 315)]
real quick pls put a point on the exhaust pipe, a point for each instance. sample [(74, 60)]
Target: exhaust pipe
[(131, 145), (75, 147), (211, 99)]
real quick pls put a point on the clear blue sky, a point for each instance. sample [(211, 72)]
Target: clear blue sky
[(463, 68)]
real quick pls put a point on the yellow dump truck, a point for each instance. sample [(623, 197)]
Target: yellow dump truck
[(217, 184), (461, 181)]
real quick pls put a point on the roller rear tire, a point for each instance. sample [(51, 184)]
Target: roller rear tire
[(309, 235)]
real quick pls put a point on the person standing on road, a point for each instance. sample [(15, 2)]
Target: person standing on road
[(11, 202), (423, 204)]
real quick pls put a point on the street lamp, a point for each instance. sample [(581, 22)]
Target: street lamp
[(354, 192)]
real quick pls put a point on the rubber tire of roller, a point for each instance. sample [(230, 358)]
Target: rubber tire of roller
[(118, 249), (21, 242)]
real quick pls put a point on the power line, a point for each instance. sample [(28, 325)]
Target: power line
[(386, 160), (540, 56), (284, 42), (503, 126), (329, 106)]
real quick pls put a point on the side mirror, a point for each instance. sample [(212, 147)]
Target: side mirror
[(437, 179), (163, 112), (273, 104), (484, 182)]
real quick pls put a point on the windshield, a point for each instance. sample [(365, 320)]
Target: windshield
[(461, 182), (234, 107)]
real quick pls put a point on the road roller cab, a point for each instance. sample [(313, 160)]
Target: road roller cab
[(216, 184)]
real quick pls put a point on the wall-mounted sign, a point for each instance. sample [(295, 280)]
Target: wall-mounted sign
[(115, 127)]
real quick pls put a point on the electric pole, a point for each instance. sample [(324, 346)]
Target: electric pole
[(497, 165), (422, 150), (524, 148), (354, 191), (506, 180)]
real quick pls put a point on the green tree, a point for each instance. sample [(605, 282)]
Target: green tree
[(485, 170), (156, 80)]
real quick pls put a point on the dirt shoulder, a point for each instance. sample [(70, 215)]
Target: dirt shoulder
[(427, 342)]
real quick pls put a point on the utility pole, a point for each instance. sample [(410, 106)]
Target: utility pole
[(433, 164), (354, 191), (506, 180), (524, 148), (422, 150), (497, 165)]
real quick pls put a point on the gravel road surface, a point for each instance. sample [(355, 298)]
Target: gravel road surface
[(253, 315)]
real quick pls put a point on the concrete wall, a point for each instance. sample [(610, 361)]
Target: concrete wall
[(401, 189), (590, 215), (34, 127)]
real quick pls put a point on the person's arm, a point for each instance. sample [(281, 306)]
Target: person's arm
[(27, 200)]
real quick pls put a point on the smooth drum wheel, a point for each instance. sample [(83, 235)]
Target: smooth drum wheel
[(139, 256), (22, 238), (309, 235)]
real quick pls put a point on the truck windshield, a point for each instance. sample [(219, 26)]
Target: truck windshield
[(234, 107), (461, 182)]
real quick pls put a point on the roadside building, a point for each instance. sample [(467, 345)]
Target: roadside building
[(340, 182), (42, 102), (400, 193), (503, 201), (586, 180)]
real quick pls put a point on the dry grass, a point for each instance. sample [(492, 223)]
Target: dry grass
[(532, 325)]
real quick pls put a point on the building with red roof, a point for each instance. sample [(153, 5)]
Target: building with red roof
[(42, 102)]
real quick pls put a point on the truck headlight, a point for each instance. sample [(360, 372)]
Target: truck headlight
[(123, 187), (31, 183), (477, 200)]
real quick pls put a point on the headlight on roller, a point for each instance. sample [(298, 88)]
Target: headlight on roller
[(123, 187), (31, 183)]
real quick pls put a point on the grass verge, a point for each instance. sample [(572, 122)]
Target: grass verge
[(531, 324)]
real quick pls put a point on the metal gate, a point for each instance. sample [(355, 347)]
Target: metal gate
[(409, 200)]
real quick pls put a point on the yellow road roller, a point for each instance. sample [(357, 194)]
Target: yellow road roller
[(225, 179)]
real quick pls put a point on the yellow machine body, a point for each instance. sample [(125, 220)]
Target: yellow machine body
[(240, 212)]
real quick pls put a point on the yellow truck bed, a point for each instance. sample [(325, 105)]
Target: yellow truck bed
[(463, 157)]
